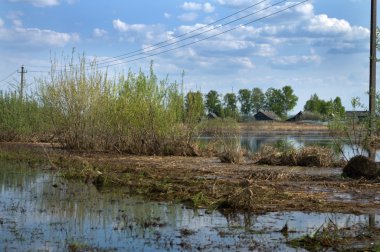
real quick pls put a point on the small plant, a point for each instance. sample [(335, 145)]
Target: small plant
[(351, 131), (226, 141)]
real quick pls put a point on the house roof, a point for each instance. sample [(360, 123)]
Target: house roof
[(357, 113), (269, 114), (304, 115)]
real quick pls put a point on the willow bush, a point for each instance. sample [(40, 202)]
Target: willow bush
[(134, 113), (21, 119)]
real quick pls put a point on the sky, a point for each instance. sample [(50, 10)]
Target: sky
[(319, 46)]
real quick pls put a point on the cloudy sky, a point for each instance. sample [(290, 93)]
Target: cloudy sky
[(317, 47)]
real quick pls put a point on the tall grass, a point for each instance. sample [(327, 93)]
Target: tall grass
[(20, 118), (133, 113)]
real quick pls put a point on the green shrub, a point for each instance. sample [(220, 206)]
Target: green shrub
[(136, 114)]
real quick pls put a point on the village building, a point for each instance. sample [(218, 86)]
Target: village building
[(266, 116)]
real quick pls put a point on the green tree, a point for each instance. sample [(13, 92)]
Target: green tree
[(338, 109), (313, 104), (325, 108), (230, 107), (245, 101), (257, 100), (289, 99), (274, 99), (213, 103), (194, 106)]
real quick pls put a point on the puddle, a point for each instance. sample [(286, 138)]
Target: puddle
[(43, 212)]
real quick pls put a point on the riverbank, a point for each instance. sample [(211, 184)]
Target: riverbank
[(206, 182), (265, 127)]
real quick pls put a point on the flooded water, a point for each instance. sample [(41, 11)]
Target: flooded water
[(40, 211), (254, 142)]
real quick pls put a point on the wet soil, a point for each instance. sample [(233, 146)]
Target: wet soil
[(206, 182)]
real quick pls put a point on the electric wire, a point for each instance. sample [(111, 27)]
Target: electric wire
[(187, 33), (105, 61), (212, 36), (8, 76), (124, 56), (193, 36)]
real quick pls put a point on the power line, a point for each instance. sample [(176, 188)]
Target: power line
[(193, 36), (212, 36), (8, 76), (187, 33), (142, 51), (22, 81), (105, 61)]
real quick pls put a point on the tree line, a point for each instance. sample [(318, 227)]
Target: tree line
[(279, 101)]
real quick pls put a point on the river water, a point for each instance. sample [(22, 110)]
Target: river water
[(254, 142), (40, 211)]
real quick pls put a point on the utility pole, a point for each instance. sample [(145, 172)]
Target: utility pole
[(372, 69), (22, 82)]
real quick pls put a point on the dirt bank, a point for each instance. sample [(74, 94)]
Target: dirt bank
[(206, 182)]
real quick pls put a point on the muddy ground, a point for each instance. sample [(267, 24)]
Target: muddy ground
[(206, 182)]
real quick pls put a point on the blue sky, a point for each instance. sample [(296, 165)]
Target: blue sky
[(318, 47)]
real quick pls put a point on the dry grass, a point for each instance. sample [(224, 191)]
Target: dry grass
[(308, 156), (285, 127), (206, 182)]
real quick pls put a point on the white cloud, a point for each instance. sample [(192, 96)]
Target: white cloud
[(1, 23), (322, 24), (167, 15), (140, 33), (291, 62), (191, 6), (188, 17), (39, 3), (98, 33), (208, 8), (124, 27), (235, 3), (17, 22), (34, 37)]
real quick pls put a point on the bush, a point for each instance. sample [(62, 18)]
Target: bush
[(136, 114), (21, 119), (361, 167)]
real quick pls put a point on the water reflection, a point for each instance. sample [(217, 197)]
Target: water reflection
[(41, 211), (254, 142)]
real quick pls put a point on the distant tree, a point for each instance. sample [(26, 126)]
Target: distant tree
[(313, 104), (337, 107), (194, 106), (213, 103), (230, 105), (245, 101), (289, 99), (274, 99), (257, 100), (325, 108)]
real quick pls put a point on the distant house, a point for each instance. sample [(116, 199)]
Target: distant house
[(212, 115), (357, 115), (304, 116), (266, 116), (296, 118)]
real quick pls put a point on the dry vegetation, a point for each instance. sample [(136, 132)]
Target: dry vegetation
[(206, 182), (312, 156), (282, 127)]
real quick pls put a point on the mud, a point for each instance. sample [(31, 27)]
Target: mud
[(206, 182)]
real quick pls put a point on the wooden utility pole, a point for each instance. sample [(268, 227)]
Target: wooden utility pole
[(372, 69), (22, 82)]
